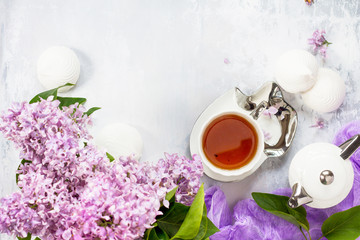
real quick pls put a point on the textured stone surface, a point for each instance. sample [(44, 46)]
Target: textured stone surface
[(157, 64)]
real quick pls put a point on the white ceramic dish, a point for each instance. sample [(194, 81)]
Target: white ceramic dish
[(250, 108)]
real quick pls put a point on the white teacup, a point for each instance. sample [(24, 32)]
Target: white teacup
[(233, 174), (234, 102)]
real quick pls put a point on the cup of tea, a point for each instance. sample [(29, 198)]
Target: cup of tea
[(232, 145), (229, 137)]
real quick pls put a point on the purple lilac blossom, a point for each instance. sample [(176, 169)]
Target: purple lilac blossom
[(70, 190), (319, 43), (180, 171), (270, 111), (275, 110), (309, 2), (252, 222), (319, 123)]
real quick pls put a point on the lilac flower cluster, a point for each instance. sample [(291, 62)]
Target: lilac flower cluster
[(180, 171), (275, 110), (309, 2), (70, 190), (270, 111), (319, 123), (319, 43)]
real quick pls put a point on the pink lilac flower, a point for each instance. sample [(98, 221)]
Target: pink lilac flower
[(274, 111), (270, 111), (226, 61), (180, 171), (319, 43), (320, 124), (118, 203), (70, 190), (309, 2)]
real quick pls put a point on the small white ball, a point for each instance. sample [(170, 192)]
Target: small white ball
[(327, 94), (296, 71), (120, 139), (57, 66)]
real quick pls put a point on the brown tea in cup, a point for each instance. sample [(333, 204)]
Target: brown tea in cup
[(230, 141)]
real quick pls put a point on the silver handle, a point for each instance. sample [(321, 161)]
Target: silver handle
[(349, 147), (270, 94), (255, 114)]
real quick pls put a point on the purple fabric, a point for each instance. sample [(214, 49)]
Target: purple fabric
[(218, 209), (251, 222), (344, 134)]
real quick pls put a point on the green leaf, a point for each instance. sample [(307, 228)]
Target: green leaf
[(67, 101), (171, 194), (203, 226), (156, 234), (342, 225), (46, 94), (278, 206), (178, 216), (147, 233), (91, 110), (110, 157), (172, 218), (190, 227), (207, 228), (151, 235), (211, 229), (28, 237), (22, 163), (161, 234)]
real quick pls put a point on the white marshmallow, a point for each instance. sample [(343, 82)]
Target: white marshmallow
[(57, 66), (327, 94), (120, 139), (296, 71)]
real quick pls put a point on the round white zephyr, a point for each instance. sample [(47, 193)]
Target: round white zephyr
[(57, 66), (296, 71), (120, 139), (327, 94)]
